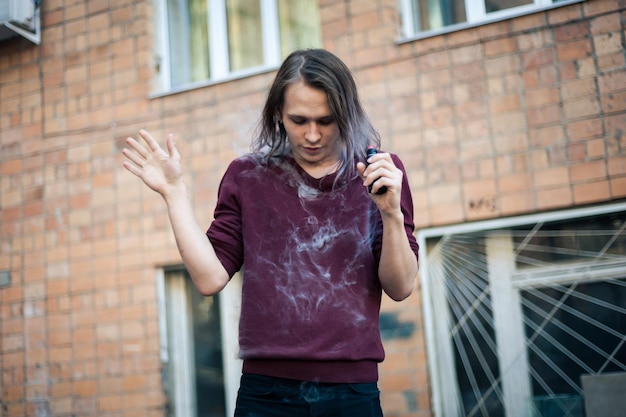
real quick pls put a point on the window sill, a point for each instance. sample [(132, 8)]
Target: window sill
[(207, 83)]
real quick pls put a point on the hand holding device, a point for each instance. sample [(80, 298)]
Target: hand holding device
[(372, 151)]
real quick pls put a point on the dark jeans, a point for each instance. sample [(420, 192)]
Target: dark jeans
[(263, 396)]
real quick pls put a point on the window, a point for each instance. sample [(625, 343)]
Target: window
[(198, 347), (213, 40), (20, 18), (518, 311), (426, 17)]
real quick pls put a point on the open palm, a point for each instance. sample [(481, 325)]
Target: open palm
[(158, 169)]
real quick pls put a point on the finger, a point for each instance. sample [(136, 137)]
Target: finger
[(133, 157), (152, 143), (378, 173), (385, 177), (380, 156), (360, 169), (137, 147), (132, 168), (171, 147)]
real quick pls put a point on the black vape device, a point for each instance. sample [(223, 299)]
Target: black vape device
[(372, 151)]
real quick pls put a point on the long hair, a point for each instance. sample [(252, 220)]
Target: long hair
[(319, 69)]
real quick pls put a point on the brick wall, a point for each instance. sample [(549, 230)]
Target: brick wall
[(519, 116)]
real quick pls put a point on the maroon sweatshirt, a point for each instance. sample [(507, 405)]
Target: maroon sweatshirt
[(309, 250)]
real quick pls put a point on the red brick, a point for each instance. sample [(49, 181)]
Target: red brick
[(537, 58), (85, 387), (614, 126), (573, 31), (618, 187), (609, 83), (565, 14), (536, 39), (134, 383), (611, 62), (606, 23), (514, 183), (544, 116), (507, 144), (595, 149), (600, 7), (584, 129), (558, 176), (500, 46), (97, 6), (542, 96), (615, 102), (608, 43), (446, 214), (582, 107), (617, 166), (591, 192), (571, 51), (552, 198), (505, 104), (576, 152), (532, 21), (578, 88), (588, 171), (463, 37), (110, 403), (544, 137)]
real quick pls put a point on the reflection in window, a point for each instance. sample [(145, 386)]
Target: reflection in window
[(188, 40), (497, 5), (245, 43), (573, 330), (299, 23), (421, 16), (435, 14), (597, 238), (477, 369), (194, 370), (215, 39)]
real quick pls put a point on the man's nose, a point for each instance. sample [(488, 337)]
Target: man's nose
[(313, 133)]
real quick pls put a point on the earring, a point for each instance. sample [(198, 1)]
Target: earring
[(277, 125)]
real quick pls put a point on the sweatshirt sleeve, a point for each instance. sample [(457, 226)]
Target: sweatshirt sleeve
[(225, 232), (406, 205)]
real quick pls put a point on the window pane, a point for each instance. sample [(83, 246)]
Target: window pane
[(435, 14), (497, 5), (299, 25), (478, 374), (245, 40), (432, 15), (195, 371), (573, 330), (208, 355), (571, 319), (188, 41), (596, 238)]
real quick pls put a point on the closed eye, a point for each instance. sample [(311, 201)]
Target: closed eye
[(298, 120), (324, 121)]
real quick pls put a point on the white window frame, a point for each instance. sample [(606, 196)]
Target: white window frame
[(219, 56), (20, 17), (476, 15), (509, 328), (184, 391)]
